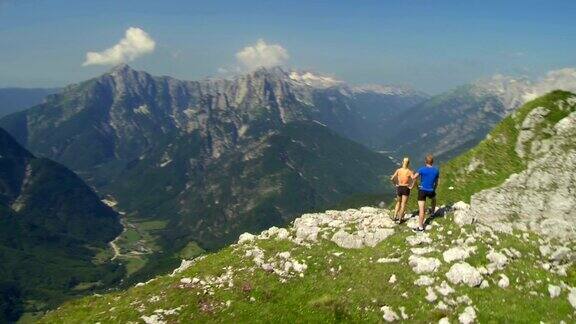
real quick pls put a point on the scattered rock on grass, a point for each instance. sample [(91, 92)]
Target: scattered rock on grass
[(456, 254), (388, 314), (430, 295), (504, 282), (347, 240), (420, 238), (572, 297), (554, 291), (444, 289), (468, 316), (421, 264), (424, 281), (464, 273), (245, 238), (497, 258), (444, 320)]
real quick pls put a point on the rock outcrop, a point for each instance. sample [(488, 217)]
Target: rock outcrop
[(541, 197)]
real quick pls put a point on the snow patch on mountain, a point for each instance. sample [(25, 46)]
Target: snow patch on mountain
[(314, 80)]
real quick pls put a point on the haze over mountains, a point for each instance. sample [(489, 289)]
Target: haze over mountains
[(16, 99)]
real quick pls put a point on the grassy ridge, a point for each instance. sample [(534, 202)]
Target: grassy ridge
[(325, 294)]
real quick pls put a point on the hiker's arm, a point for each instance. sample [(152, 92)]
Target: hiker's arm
[(412, 180), (436, 182), (414, 177), (394, 176)]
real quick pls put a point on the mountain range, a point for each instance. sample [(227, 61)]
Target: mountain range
[(211, 159)]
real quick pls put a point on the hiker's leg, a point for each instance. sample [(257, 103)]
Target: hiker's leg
[(421, 209), (433, 205), (403, 207), (397, 209)]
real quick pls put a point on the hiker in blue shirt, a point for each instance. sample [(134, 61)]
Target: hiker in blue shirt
[(428, 175)]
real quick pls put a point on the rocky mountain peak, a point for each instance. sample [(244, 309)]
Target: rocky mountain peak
[(125, 79)]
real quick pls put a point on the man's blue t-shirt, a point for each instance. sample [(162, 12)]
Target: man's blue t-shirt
[(428, 177)]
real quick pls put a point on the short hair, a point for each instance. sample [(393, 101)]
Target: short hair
[(429, 159)]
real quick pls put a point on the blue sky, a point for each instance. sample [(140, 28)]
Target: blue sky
[(431, 45)]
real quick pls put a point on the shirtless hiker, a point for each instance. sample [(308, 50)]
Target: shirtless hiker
[(402, 178), (428, 175)]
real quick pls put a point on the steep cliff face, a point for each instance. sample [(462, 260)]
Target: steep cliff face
[(521, 175), (540, 197)]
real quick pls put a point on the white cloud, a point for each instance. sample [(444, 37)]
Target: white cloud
[(136, 42), (262, 54)]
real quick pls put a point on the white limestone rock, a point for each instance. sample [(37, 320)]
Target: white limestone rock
[(184, 264), (444, 289), (460, 206), (463, 217), (572, 297), (504, 282), (282, 234), (463, 273), (424, 281), (497, 258), (444, 320), (561, 254), (419, 238), (307, 233), (153, 319), (554, 291), (422, 250), (347, 240), (388, 260), (422, 264), (246, 238), (542, 193), (430, 295), (456, 254), (468, 316), (388, 314), (371, 239)]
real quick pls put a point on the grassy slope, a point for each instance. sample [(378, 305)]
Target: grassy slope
[(355, 294)]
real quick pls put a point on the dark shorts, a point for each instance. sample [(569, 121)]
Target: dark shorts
[(423, 194), (402, 191)]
